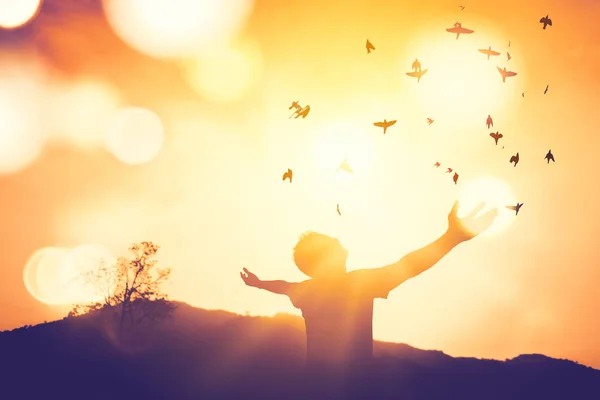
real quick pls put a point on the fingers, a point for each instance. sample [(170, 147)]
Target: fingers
[(476, 210), (455, 207), (245, 270)]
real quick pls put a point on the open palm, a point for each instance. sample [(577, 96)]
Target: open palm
[(457, 227)]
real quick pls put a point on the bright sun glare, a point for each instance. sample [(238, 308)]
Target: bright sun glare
[(460, 84), (495, 193)]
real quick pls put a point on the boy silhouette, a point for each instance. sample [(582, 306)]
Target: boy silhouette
[(337, 305)]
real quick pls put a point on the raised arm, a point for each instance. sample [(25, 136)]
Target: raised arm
[(384, 279), (278, 287)]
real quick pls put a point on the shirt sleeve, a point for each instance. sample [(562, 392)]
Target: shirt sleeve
[(299, 293)]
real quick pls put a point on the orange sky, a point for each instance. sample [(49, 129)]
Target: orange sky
[(213, 198)]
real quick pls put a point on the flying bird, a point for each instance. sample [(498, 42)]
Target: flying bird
[(462, 7), (508, 57), (496, 136), (303, 112), (515, 208), (429, 121), (385, 124), (437, 164), (515, 159), (288, 174), (369, 47), (489, 52), (455, 178), (546, 21), (505, 74), (345, 166), (489, 121), (549, 156), (449, 171), (458, 29), (545, 90), (338, 210), (509, 43), (523, 94)]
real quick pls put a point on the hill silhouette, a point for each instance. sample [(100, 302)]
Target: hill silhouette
[(212, 354)]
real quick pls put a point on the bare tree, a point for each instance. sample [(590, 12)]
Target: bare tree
[(130, 287)]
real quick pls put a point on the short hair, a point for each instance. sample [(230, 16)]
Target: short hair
[(312, 247)]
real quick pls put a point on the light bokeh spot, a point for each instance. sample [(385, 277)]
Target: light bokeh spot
[(135, 135), (227, 73), (82, 112), (41, 275), (16, 13), (176, 28)]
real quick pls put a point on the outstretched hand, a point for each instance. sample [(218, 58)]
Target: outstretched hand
[(249, 278), (466, 228)]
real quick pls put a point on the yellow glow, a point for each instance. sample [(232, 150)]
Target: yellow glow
[(176, 28), (82, 111), (135, 135), (21, 112), (41, 272), (493, 191), (227, 73), (75, 263), (461, 84), (15, 13)]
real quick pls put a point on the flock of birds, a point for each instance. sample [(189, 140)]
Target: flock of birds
[(417, 72)]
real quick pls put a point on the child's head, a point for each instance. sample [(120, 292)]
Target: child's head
[(320, 255)]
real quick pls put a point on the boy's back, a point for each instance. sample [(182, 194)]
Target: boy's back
[(338, 315)]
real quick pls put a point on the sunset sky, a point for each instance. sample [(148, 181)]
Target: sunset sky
[(198, 170)]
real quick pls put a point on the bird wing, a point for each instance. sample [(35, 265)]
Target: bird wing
[(500, 136), (379, 124), (390, 123), (552, 157), (493, 135), (484, 51), (513, 158), (549, 22), (494, 53), (500, 70), (510, 73), (542, 20), (511, 207)]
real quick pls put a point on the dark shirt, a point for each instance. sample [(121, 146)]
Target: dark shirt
[(338, 315)]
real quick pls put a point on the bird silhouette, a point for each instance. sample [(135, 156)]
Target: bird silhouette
[(508, 57), (295, 105), (523, 94), (303, 112), (455, 178), (437, 164), (369, 47), (462, 7), (550, 156), (505, 74), (509, 43), (489, 121), (545, 90), (429, 121), (289, 174), (338, 210), (345, 166), (496, 136), (515, 208), (489, 52), (546, 21), (449, 171), (385, 124), (515, 159)]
